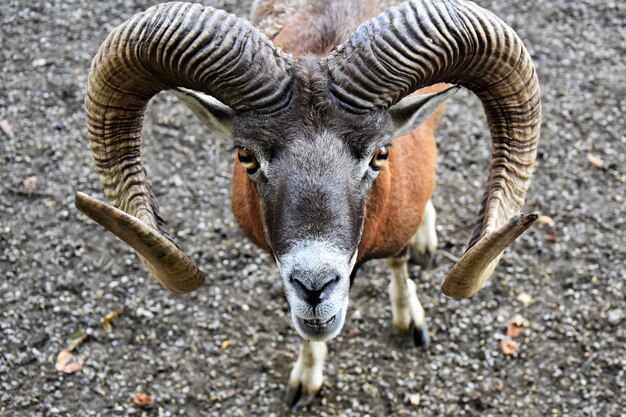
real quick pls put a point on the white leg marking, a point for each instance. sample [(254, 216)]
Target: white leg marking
[(405, 307), (309, 367), (425, 239)]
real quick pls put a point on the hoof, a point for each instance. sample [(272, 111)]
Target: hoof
[(413, 337), (426, 260), (420, 337), (297, 398)]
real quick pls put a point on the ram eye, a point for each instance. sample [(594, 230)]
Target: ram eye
[(247, 160), (380, 158)]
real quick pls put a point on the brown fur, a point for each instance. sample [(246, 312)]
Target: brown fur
[(246, 206), (321, 26), (398, 196)]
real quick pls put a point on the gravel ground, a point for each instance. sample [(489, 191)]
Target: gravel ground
[(227, 349)]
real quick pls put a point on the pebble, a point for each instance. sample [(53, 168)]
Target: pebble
[(615, 316)]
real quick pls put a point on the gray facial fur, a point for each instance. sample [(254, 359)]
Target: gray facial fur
[(313, 180)]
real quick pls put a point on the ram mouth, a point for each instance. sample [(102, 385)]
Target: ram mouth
[(319, 329), (320, 323)]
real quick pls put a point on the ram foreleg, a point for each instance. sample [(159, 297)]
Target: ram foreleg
[(408, 317), (424, 242), (306, 377)]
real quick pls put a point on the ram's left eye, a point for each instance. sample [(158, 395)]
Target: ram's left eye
[(380, 158)]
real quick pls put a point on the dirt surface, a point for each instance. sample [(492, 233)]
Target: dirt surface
[(227, 349)]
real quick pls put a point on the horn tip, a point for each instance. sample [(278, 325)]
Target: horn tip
[(82, 200), (190, 283), (526, 220), (458, 292)]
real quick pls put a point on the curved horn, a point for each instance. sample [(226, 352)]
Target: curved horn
[(428, 41), (167, 46)]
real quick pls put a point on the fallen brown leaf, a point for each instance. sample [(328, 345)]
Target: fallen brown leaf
[(516, 326), (546, 221), (62, 359), (552, 238), (508, 347), (143, 400), (595, 161), (76, 339), (107, 320), (30, 184), (514, 330), (68, 363)]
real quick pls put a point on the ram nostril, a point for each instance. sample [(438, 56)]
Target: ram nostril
[(298, 284), (331, 281)]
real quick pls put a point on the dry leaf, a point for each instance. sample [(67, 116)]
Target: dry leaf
[(552, 238), (546, 221), (595, 161), (508, 347), (68, 363), (225, 344), (107, 321), (30, 184), (513, 330), (62, 359), (520, 320), (76, 339), (415, 398), (516, 326), (143, 400), (525, 299)]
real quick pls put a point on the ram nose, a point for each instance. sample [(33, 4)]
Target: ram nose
[(316, 290)]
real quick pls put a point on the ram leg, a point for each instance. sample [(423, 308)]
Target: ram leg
[(306, 376), (424, 241), (408, 316)]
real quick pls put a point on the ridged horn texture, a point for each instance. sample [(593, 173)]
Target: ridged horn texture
[(167, 46), (420, 43)]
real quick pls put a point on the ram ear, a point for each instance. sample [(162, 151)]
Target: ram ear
[(214, 114), (412, 111)]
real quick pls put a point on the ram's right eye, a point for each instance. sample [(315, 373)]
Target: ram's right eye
[(247, 160)]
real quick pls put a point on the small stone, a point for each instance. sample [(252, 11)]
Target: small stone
[(615, 316), (525, 299), (6, 128), (415, 399)]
